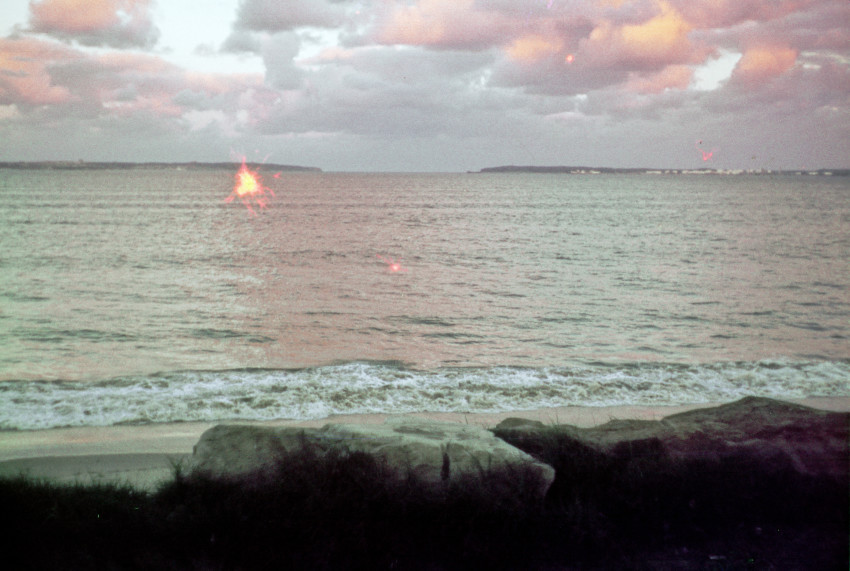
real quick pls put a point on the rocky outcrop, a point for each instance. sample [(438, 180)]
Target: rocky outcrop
[(770, 433), (432, 451), (763, 430)]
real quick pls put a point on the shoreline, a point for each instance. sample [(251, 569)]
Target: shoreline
[(144, 455)]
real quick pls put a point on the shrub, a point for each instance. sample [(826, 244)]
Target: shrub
[(629, 509)]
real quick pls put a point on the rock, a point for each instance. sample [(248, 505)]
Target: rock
[(433, 451), (769, 431), (521, 424), (234, 450)]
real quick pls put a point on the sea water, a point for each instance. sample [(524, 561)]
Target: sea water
[(134, 296)]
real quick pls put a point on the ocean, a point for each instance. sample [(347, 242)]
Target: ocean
[(143, 296)]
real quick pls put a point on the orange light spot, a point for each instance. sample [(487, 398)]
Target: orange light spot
[(249, 188), (247, 182)]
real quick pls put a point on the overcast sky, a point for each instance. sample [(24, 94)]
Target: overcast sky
[(428, 85)]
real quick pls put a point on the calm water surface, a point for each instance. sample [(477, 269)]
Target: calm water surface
[(139, 296)]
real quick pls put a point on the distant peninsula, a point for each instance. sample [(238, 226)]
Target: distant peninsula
[(85, 165), (701, 171)]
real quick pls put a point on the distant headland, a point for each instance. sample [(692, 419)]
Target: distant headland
[(85, 165), (702, 171)]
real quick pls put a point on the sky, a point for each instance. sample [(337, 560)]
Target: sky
[(428, 85)]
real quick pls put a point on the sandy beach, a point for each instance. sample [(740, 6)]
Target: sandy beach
[(145, 455)]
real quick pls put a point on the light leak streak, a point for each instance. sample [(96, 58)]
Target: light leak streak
[(249, 188), (706, 155)]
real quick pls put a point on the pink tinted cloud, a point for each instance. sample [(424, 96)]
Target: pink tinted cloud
[(24, 76), (118, 23), (763, 63), (73, 16), (806, 103), (671, 77), (659, 40), (131, 82), (534, 47), (126, 83), (821, 26), (728, 13), (644, 36), (36, 72), (448, 24), (561, 47), (652, 33)]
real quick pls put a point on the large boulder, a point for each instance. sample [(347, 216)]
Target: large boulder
[(233, 450), (432, 451), (811, 441)]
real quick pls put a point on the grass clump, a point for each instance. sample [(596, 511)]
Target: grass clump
[(53, 526), (346, 510), (634, 508)]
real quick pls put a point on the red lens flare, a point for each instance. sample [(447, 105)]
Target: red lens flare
[(393, 266), (706, 155), (249, 189)]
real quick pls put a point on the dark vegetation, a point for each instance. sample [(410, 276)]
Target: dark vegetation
[(635, 508)]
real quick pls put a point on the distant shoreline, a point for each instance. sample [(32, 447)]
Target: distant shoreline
[(579, 170), (700, 171), (85, 165)]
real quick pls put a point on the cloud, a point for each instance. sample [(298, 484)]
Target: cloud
[(659, 41), (386, 90), (565, 78), (116, 23), (24, 72), (671, 77), (533, 48), (812, 84), (574, 48), (763, 63), (719, 14), (279, 52), (277, 16), (44, 79), (243, 41), (442, 24)]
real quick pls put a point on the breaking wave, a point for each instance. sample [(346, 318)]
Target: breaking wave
[(391, 388)]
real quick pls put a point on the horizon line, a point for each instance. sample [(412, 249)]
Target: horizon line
[(506, 169)]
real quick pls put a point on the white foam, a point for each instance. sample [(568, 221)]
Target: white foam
[(360, 388)]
